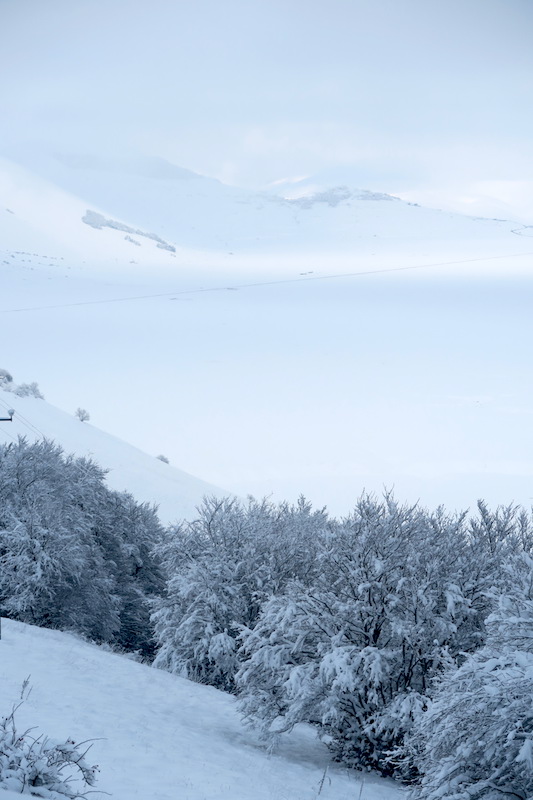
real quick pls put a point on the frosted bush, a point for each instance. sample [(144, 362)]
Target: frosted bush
[(40, 767), (28, 390), (21, 389)]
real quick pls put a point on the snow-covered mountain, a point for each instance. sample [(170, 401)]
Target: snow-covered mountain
[(146, 210), (158, 736), (146, 477)]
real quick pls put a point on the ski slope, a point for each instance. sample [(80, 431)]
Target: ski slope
[(145, 477), (158, 736)]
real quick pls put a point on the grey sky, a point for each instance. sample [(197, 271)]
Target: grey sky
[(427, 96)]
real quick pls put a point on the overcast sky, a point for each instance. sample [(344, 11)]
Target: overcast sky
[(431, 99)]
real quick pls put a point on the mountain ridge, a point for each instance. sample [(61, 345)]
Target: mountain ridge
[(189, 212)]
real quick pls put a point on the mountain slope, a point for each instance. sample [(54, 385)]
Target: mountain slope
[(42, 220), (147, 478), (158, 736), (145, 198)]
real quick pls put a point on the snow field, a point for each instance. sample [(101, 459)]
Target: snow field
[(161, 737)]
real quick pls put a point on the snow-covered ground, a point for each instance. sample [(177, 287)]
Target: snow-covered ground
[(332, 341), (160, 737)]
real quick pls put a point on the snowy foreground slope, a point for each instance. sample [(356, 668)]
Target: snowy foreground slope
[(145, 477), (160, 737)]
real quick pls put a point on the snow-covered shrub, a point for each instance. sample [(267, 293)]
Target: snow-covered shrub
[(475, 741), (21, 389), (399, 594), (27, 390), (163, 458), (83, 415), (38, 766), (221, 568)]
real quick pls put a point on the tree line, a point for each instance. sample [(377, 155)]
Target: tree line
[(405, 636)]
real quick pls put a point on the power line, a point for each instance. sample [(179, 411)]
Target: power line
[(26, 422), (8, 433), (257, 284)]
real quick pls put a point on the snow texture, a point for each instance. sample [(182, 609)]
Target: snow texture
[(159, 736)]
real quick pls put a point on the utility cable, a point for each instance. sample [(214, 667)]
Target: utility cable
[(254, 285)]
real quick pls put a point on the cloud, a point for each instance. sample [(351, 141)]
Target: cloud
[(423, 93)]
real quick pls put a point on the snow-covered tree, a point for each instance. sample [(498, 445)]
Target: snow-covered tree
[(343, 625), (221, 568), (475, 741), (51, 570), (127, 533), (73, 554), (399, 594)]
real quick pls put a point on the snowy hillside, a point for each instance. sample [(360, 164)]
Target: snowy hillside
[(147, 478), (42, 220), (159, 736)]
